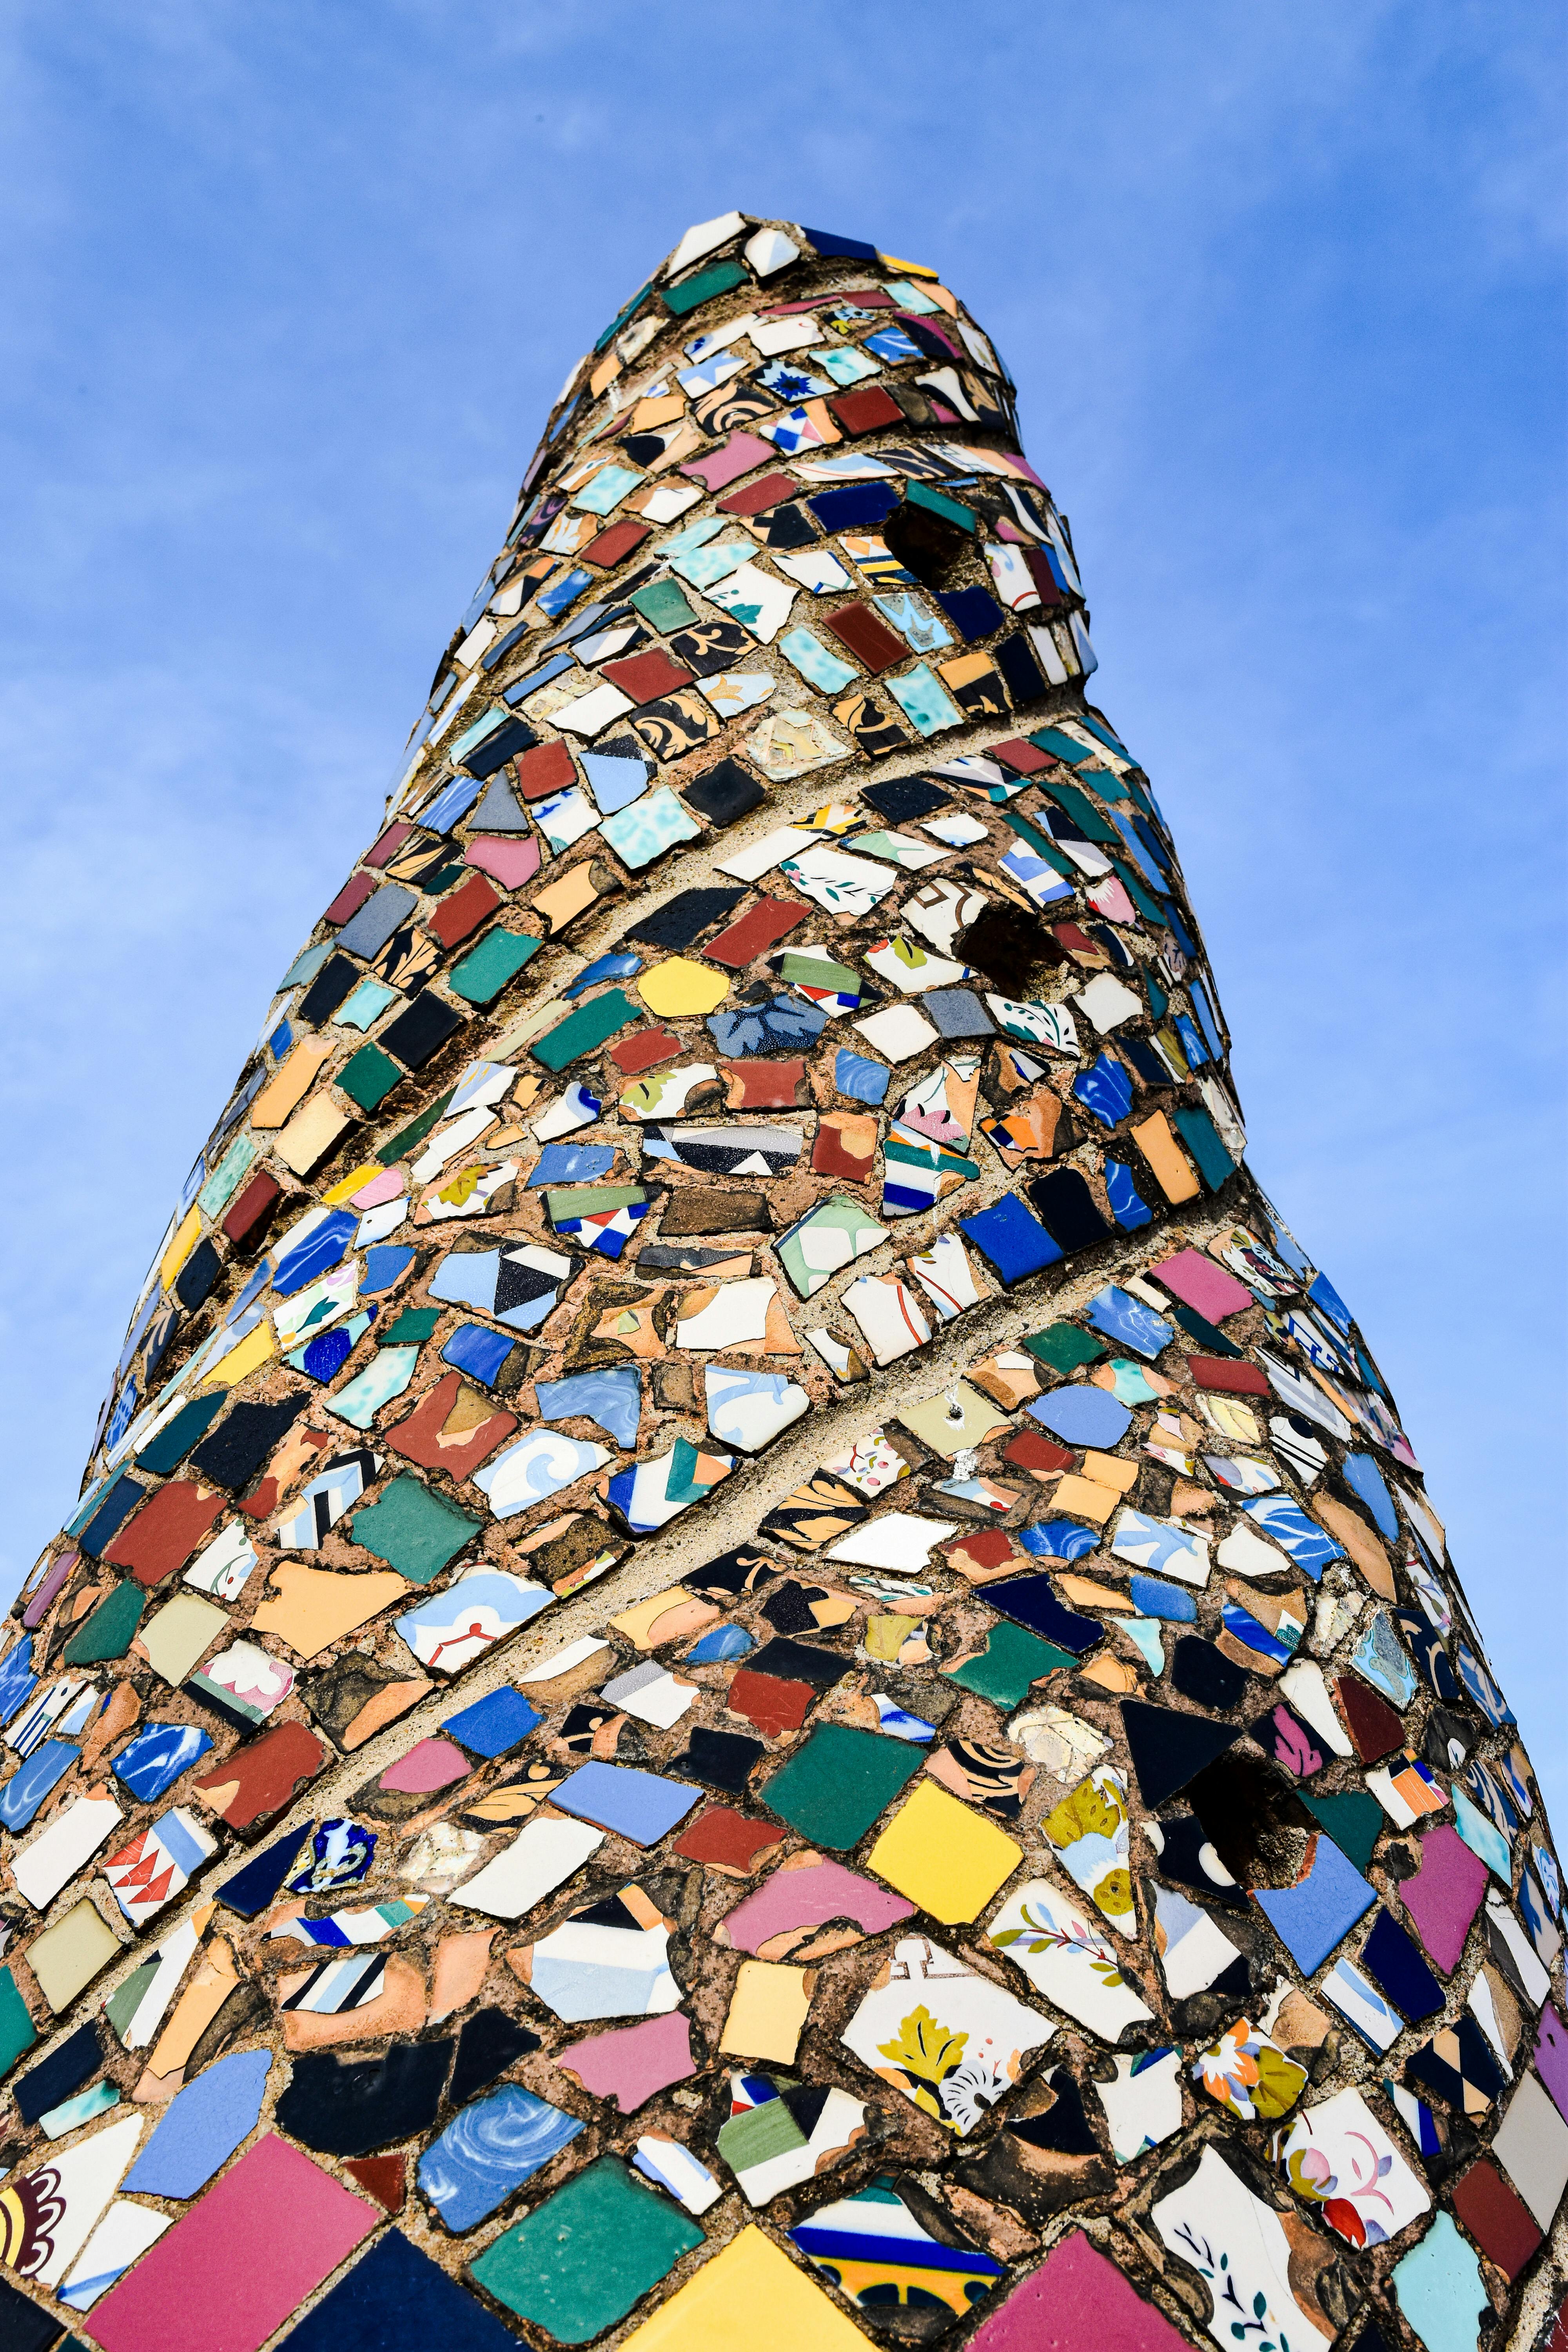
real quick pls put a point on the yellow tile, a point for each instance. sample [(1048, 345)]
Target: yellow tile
[(351, 1183), (1084, 1498), (1088, 1593), (311, 1607), (751, 2293), (290, 1083), (561, 900), (254, 1349), (312, 1133), (182, 1245), (1110, 1674), (1110, 1470), (947, 1858), (677, 986), (767, 2011)]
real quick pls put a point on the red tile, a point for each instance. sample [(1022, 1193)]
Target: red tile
[(645, 677), (259, 1778), (1030, 1451), (755, 498), (420, 1438), (1499, 2222), (1021, 757), (867, 636), (725, 1839), (644, 1048), (846, 1146), (613, 546), (769, 1701), (867, 410), (1232, 1379), (350, 898), (165, 1531), (387, 848), (1043, 579), (756, 931), (385, 2177), (765, 1086), (548, 768), (252, 1209), (463, 910), (1374, 1728)]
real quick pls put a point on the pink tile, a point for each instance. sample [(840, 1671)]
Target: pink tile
[(1074, 2300), (802, 1898), (1199, 1283), (1552, 2057), (512, 862), (232, 2269), (631, 2066), (736, 455), (1444, 1895), (433, 1764)]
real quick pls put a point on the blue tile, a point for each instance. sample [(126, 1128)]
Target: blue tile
[(1310, 1918), (637, 1805), (1365, 1479), (475, 1350), (396, 2297), (572, 1163), (613, 1400), (1105, 1089), (493, 1724), (488, 2150), (1155, 1598), (859, 1080), (202, 2128), (1126, 1319), (1010, 1240), (1082, 1416), (157, 1756)]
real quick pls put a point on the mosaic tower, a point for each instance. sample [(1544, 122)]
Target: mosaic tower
[(748, 1658)]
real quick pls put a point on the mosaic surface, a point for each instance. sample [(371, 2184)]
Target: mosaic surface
[(748, 1658)]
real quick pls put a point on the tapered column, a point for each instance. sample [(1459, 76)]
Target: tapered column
[(748, 1656)]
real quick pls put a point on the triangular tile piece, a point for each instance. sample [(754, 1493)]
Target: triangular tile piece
[(1373, 1725), (1168, 1749), (384, 2178)]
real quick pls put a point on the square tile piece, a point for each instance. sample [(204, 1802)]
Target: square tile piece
[(949, 1860)]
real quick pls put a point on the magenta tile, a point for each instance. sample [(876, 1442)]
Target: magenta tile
[(630, 2066), (793, 1901), (1199, 1283), (1076, 2299), (231, 2270), (1552, 2057), (1444, 1895)]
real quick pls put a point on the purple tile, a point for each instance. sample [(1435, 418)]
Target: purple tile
[(1444, 1895)]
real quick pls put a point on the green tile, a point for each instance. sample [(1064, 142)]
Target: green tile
[(586, 1029), (920, 494), (499, 956), (834, 1787), (414, 1530), (663, 607), (579, 2261), (412, 1329), (408, 1138), (1064, 1347), (369, 1077), (1201, 1137), (702, 288), (17, 2032), (1353, 1819), (1011, 1661), (109, 1631)]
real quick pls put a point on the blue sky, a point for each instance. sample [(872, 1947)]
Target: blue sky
[(289, 290)]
